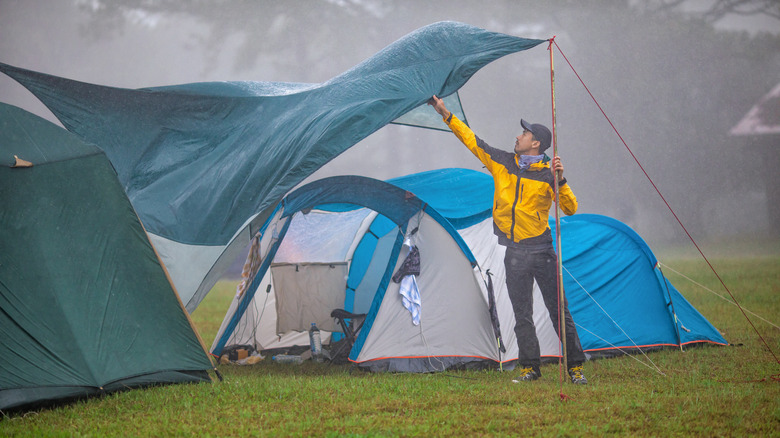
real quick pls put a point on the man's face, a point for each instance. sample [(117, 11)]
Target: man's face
[(526, 145)]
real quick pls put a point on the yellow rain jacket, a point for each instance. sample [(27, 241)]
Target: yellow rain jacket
[(522, 198)]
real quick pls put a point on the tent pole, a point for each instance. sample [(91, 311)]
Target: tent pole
[(561, 296), (675, 321)]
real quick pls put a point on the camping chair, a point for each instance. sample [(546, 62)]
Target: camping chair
[(350, 324)]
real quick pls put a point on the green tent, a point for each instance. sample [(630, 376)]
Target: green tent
[(77, 277)]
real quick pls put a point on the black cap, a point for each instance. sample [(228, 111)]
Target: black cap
[(540, 132)]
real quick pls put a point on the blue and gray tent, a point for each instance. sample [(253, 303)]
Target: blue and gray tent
[(336, 242)]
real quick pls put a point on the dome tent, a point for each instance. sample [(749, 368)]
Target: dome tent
[(77, 274), (342, 256)]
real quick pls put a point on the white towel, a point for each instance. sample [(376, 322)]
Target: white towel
[(411, 297)]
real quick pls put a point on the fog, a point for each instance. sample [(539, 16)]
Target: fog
[(672, 80)]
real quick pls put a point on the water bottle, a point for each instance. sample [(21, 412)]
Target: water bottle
[(287, 358), (315, 341)]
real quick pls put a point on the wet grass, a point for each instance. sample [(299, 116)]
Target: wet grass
[(703, 391)]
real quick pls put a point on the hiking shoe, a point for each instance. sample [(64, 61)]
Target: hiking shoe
[(526, 375), (576, 375)]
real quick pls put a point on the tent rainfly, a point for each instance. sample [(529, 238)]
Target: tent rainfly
[(338, 242)]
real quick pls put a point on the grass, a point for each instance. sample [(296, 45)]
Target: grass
[(704, 391)]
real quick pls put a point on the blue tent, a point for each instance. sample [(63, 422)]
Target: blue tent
[(618, 297), (205, 164), (607, 264)]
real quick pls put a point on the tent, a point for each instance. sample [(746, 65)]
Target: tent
[(205, 164), (77, 274), (337, 243)]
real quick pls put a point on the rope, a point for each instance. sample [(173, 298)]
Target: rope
[(430, 353), (616, 325), (717, 294), (654, 367), (552, 41)]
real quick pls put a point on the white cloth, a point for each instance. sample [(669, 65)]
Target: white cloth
[(410, 296)]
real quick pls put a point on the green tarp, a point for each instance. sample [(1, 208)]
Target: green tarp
[(199, 160)]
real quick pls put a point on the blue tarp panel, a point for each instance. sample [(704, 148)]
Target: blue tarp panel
[(198, 160), (463, 196)]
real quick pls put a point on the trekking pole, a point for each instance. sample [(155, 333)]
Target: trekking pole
[(559, 273)]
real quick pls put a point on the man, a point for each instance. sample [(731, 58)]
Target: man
[(524, 193)]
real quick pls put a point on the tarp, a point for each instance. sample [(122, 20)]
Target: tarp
[(199, 160), (204, 164), (77, 276)]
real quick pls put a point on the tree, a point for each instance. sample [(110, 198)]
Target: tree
[(718, 9)]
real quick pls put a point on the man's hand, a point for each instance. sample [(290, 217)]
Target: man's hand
[(557, 167), (438, 105)]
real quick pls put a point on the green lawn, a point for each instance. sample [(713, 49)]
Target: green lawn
[(704, 391)]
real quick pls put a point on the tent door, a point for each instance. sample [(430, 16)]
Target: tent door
[(306, 293)]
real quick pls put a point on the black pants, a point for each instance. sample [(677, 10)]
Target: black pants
[(522, 267)]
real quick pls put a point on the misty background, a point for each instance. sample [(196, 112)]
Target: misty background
[(673, 76)]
